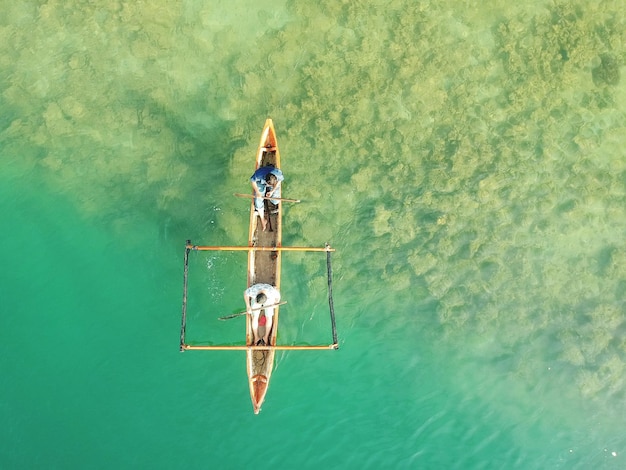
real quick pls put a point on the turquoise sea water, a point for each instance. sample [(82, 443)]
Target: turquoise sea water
[(465, 158)]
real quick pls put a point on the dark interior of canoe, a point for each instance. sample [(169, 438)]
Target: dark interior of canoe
[(265, 261)]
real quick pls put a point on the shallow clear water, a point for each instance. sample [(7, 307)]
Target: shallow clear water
[(465, 159)]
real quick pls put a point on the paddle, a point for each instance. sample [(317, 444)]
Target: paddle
[(266, 204), (235, 315), (250, 196)]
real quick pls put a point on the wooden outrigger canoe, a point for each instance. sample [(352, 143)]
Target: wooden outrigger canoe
[(264, 265)]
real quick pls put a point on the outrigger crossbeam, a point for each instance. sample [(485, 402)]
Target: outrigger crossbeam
[(188, 347), (259, 248)]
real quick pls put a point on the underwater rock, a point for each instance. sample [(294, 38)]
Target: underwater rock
[(607, 71)]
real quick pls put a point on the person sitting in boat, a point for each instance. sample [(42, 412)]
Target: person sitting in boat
[(266, 182), (261, 297)]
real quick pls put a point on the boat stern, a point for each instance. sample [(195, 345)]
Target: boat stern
[(258, 389)]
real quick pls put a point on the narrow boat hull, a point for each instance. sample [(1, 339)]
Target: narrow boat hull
[(264, 267)]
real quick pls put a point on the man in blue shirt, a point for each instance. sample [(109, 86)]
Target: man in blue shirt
[(266, 182)]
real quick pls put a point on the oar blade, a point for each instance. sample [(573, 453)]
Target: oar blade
[(234, 315)]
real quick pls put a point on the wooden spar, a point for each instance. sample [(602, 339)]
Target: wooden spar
[(183, 322), (330, 295), (259, 248), (262, 348), (252, 196)]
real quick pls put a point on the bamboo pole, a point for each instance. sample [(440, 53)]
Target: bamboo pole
[(251, 196), (259, 248), (329, 270), (183, 321), (260, 348)]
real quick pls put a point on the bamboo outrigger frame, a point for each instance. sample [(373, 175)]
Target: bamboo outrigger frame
[(263, 267), (188, 347)]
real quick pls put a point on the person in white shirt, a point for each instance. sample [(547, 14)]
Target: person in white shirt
[(261, 297)]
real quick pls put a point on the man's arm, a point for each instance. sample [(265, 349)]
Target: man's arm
[(246, 298), (257, 193)]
